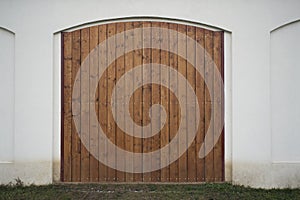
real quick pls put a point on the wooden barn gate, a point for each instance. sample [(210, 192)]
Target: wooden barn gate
[(78, 164)]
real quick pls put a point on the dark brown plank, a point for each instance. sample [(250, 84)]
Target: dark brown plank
[(76, 144), (200, 88), (102, 88), (209, 159), (191, 114), (84, 96), (218, 113), (67, 130)]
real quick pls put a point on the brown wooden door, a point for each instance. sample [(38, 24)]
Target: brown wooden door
[(173, 46)]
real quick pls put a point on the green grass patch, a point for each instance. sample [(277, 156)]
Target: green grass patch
[(144, 191)]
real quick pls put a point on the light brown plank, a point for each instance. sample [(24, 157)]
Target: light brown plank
[(76, 143), (218, 113), (182, 87), (137, 96), (191, 114), (155, 175), (174, 112), (120, 70), (102, 88), (67, 65), (200, 88), (164, 100), (84, 96), (111, 126), (209, 160), (93, 76), (147, 145), (128, 87)]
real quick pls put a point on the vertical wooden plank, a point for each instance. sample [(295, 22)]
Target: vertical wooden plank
[(155, 175), (200, 88), (174, 112), (111, 126), (147, 145), (137, 96), (67, 116), (209, 160), (84, 96), (164, 100), (191, 77), (182, 89), (128, 87), (76, 143), (93, 76), (223, 106), (218, 148), (102, 87), (120, 70)]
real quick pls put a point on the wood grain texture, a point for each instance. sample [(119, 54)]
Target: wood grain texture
[(155, 175), (209, 159), (200, 92), (76, 143), (102, 90), (174, 110), (182, 44), (67, 114), (120, 70), (164, 99), (85, 108), (93, 125), (129, 59), (137, 96), (147, 91), (218, 110), (78, 164), (111, 81), (191, 113)]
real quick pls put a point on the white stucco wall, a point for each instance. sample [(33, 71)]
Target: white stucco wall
[(7, 95), (250, 79)]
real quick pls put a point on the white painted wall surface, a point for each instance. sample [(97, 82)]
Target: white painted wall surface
[(7, 68), (37, 92)]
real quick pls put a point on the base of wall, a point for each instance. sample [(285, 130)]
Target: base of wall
[(267, 176), (279, 175), (38, 173)]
